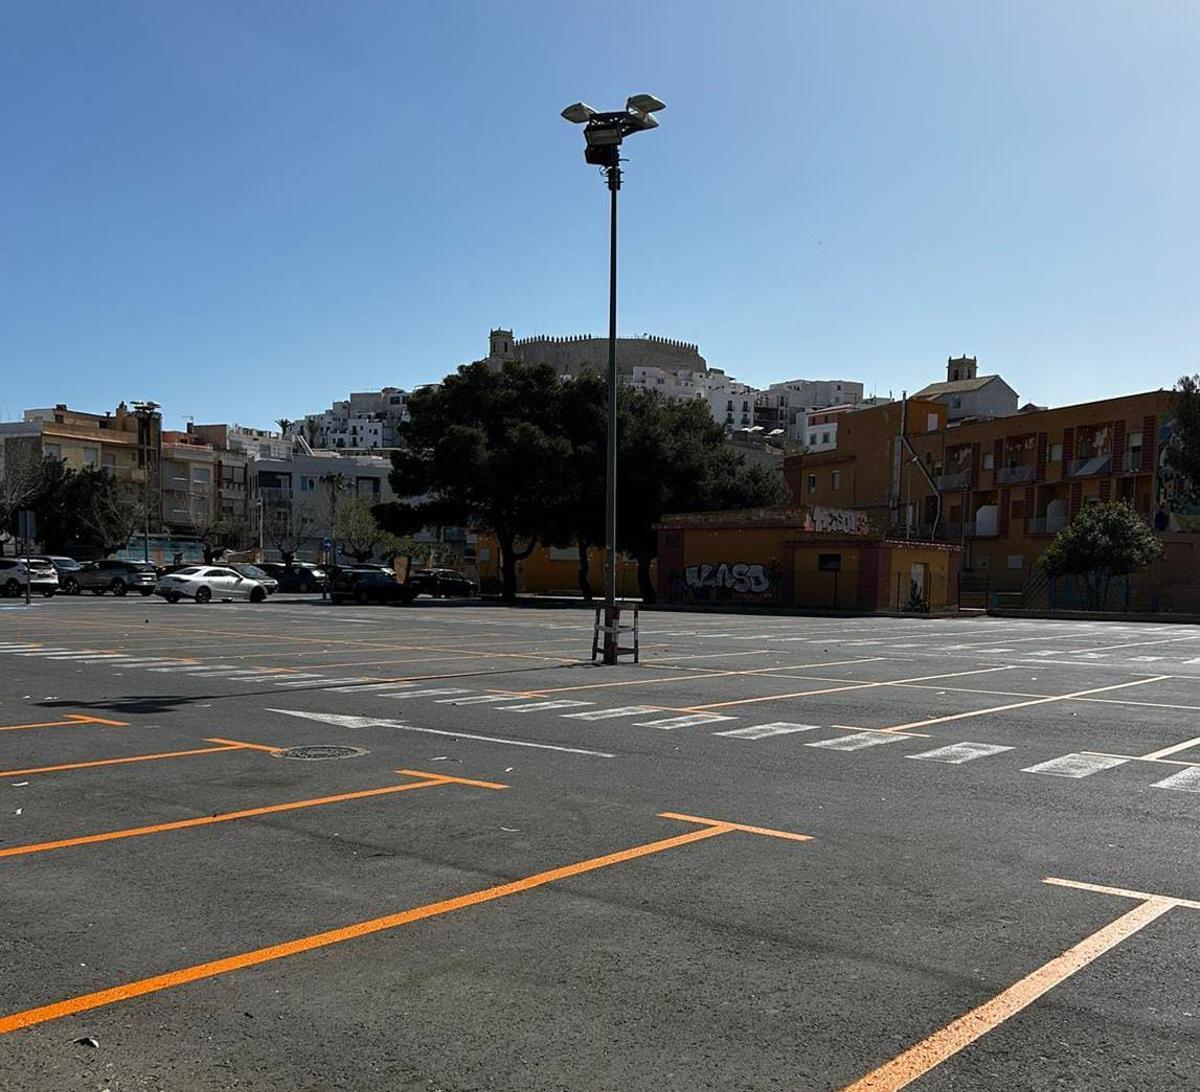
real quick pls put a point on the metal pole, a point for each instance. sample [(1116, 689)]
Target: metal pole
[(610, 498), (28, 562), (146, 485)]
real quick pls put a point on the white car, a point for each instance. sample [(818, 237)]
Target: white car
[(207, 582)]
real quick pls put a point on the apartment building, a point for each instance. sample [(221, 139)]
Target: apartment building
[(1002, 488), (120, 441), (365, 420)]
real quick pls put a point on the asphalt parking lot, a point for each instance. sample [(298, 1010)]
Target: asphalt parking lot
[(779, 852)]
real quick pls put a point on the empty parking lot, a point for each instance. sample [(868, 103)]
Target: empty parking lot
[(778, 852)]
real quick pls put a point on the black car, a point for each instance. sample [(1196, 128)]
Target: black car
[(440, 583), (300, 576), (368, 586), (118, 577)]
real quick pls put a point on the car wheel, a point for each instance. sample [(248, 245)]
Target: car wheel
[(203, 595), (12, 589), (257, 595), (145, 591), (304, 587), (119, 587), (49, 593), (72, 586), (361, 597), (172, 597)]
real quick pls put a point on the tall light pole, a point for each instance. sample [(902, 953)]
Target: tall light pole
[(603, 134), (145, 412)]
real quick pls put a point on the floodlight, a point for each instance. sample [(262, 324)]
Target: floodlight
[(647, 104), (643, 120), (602, 134), (578, 112)]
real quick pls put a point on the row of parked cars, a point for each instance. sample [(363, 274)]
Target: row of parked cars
[(49, 574)]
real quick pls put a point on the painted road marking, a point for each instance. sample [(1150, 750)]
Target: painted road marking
[(369, 686), (225, 745), (682, 722), (958, 753), (1186, 745), (856, 742), (1026, 704), (918, 1060), (710, 828), (1076, 765), (612, 714), (765, 731), (1187, 780), (849, 686), (428, 780), (74, 720), (478, 699), (379, 722), (429, 692), (545, 706)]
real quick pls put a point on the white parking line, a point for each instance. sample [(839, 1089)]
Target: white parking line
[(478, 699), (853, 743), (369, 687), (765, 731), (611, 714), (1076, 765), (682, 722), (958, 753), (545, 706), (426, 693), (1185, 781)]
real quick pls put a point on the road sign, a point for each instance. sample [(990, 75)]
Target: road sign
[(326, 544), (26, 525)]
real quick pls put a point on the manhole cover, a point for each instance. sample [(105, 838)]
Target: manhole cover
[(315, 754)]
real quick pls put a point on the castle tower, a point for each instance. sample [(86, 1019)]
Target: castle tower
[(500, 345), (960, 367)]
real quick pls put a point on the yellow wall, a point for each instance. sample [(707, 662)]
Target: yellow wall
[(549, 571), (815, 588)]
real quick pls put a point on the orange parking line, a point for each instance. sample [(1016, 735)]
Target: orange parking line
[(768, 831), (918, 1060), (72, 719), (237, 743), (115, 761), (87, 1002), (224, 817)]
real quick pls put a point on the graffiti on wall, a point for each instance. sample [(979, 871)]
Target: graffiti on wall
[(844, 521), (740, 576), (1176, 510)]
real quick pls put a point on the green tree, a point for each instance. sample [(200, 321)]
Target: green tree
[(1102, 541), (673, 457), (86, 508), (482, 450), (1183, 450), (358, 532)]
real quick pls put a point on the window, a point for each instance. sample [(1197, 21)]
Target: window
[(812, 439), (202, 474), (1056, 453), (931, 422), (307, 484), (824, 437), (1016, 561), (91, 456), (956, 402), (812, 483), (835, 479), (108, 459), (829, 563), (989, 460), (53, 451)]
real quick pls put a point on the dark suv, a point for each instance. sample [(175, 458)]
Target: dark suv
[(368, 586), (440, 583), (301, 576), (118, 577)]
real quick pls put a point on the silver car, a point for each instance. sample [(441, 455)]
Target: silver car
[(204, 583)]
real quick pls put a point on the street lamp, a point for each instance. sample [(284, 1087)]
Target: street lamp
[(145, 413), (602, 134)]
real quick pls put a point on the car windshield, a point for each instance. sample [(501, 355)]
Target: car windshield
[(188, 570), (142, 567), (253, 571)]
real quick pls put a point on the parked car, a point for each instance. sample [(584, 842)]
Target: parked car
[(204, 583), (254, 572), (63, 566), (300, 576), (369, 585), (440, 583), (42, 578), (118, 577)]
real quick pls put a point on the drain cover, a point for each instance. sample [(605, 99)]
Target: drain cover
[(315, 754)]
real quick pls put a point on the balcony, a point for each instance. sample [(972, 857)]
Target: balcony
[(949, 483), (1043, 525), (1132, 463), (956, 532), (1010, 475), (1090, 466)]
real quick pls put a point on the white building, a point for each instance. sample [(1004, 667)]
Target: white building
[(816, 429), (968, 394), (366, 420)]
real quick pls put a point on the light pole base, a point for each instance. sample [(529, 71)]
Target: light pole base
[(606, 636), (612, 620)]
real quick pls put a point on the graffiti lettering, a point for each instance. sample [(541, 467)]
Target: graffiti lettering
[(738, 577), (846, 521)]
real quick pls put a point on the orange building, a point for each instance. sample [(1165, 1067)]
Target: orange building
[(814, 558), (1003, 487)]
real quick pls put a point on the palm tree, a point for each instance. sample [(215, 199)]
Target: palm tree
[(284, 424)]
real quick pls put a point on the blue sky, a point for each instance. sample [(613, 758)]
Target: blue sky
[(245, 209)]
